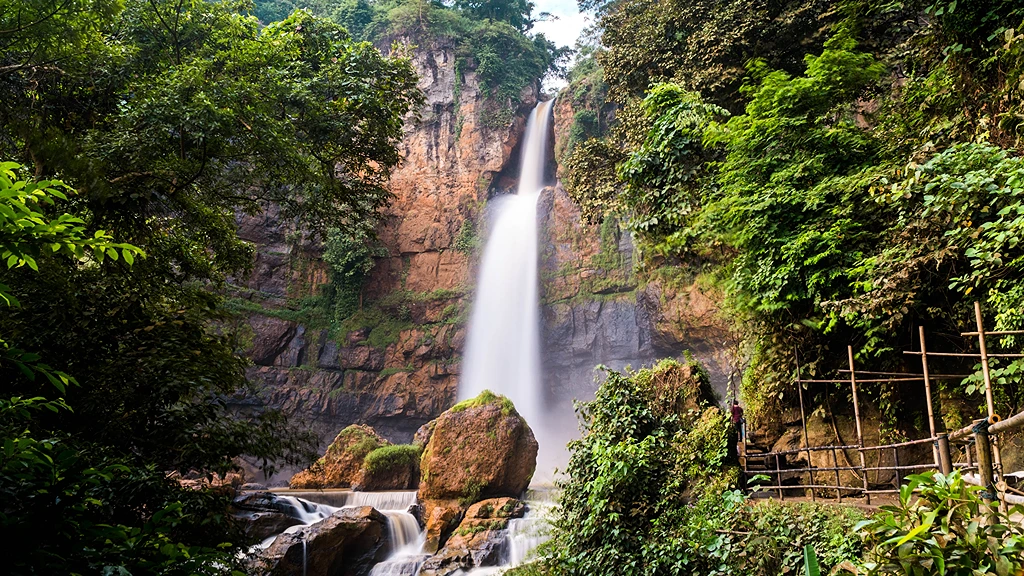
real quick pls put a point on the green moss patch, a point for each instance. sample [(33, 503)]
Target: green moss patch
[(484, 398), (387, 458)]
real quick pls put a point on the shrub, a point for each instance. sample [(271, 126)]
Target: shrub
[(387, 458), (946, 529)]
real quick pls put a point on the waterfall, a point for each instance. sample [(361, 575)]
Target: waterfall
[(311, 506), (503, 342)]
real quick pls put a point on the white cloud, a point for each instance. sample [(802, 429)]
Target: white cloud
[(567, 28)]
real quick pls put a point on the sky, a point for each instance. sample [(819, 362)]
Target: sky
[(566, 29)]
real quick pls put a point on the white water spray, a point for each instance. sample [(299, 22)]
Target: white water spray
[(503, 344)]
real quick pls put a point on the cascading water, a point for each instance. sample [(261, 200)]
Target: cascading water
[(406, 538), (503, 342)]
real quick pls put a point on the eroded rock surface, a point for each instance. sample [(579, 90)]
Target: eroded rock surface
[(480, 539), (261, 514)]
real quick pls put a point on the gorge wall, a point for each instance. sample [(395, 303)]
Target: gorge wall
[(394, 365)]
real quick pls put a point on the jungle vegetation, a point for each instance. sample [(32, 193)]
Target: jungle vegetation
[(133, 133), (842, 171)]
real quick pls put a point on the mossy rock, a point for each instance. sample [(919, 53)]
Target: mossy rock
[(480, 448), (342, 462), (395, 467)]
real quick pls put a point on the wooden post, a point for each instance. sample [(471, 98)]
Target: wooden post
[(803, 420), (778, 477), (856, 415), (985, 462), (945, 461), (997, 460), (989, 402), (928, 393)]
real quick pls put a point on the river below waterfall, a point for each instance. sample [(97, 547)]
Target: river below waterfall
[(406, 537)]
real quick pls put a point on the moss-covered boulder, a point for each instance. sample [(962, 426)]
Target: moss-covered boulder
[(480, 448), (480, 539), (389, 468), (342, 463)]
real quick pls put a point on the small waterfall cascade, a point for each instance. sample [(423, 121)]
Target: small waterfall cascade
[(503, 341), (406, 539)]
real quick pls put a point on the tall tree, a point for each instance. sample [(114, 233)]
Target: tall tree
[(169, 118)]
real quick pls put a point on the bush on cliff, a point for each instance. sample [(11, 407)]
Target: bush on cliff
[(650, 491), (395, 467), (388, 458)]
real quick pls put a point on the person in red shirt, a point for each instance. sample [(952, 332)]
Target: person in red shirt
[(737, 420)]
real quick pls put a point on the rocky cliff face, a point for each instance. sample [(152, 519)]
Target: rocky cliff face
[(599, 310), (395, 364)]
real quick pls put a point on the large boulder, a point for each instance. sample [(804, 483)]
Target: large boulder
[(262, 514), (389, 468), (348, 543), (341, 464), (479, 448)]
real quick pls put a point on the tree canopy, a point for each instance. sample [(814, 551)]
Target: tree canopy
[(146, 128), (841, 186)]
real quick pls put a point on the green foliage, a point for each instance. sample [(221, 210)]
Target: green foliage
[(665, 176), (350, 254), (704, 45), (168, 120), (591, 179), (395, 457), (467, 241), (86, 511), (942, 526), (648, 491), (811, 567), (484, 32), (516, 13), (26, 231)]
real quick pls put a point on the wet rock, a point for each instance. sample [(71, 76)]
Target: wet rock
[(441, 518), (342, 462), (422, 436), (262, 514), (480, 540), (348, 543), (480, 448), (496, 508)]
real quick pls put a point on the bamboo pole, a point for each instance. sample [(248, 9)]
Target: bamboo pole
[(856, 415), (945, 461), (928, 393), (803, 420), (989, 402), (997, 459), (985, 461)]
